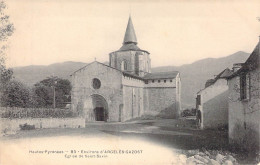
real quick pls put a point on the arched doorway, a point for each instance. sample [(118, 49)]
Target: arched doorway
[(100, 107)]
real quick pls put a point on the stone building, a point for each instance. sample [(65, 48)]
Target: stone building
[(244, 103), (212, 101), (125, 88)]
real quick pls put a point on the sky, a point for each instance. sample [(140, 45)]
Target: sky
[(174, 32)]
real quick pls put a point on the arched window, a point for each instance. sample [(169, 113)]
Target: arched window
[(123, 65)]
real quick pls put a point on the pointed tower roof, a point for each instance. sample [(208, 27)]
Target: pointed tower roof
[(130, 41), (130, 36)]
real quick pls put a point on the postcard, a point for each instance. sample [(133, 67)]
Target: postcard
[(129, 82)]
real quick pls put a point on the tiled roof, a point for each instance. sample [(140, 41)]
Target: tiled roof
[(224, 74), (130, 46), (132, 75), (209, 82), (161, 75)]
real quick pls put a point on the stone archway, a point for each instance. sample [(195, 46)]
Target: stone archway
[(100, 107)]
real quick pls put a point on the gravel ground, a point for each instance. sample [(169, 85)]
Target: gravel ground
[(191, 145)]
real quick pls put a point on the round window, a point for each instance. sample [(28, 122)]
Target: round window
[(96, 83)]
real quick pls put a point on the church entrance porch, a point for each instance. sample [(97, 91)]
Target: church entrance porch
[(100, 107)]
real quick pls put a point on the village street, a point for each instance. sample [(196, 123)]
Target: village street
[(177, 134), (177, 138)]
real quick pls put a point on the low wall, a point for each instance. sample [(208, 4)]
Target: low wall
[(9, 126), (17, 112)]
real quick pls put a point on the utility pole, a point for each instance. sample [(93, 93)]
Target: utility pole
[(54, 94), (54, 101)]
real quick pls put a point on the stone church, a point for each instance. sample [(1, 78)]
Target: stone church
[(125, 88)]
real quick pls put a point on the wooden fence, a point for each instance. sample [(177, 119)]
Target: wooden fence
[(14, 112)]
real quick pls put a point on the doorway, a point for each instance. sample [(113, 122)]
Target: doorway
[(100, 107), (99, 114)]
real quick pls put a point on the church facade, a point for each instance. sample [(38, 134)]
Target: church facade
[(126, 88)]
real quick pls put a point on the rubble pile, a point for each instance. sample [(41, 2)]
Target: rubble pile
[(195, 157)]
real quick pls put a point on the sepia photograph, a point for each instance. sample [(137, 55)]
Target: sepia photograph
[(129, 82)]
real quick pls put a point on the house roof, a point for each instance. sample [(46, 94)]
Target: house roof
[(161, 75), (251, 63), (224, 74), (209, 82)]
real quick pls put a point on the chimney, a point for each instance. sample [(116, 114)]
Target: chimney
[(237, 66)]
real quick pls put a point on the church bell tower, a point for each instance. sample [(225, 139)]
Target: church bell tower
[(130, 58)]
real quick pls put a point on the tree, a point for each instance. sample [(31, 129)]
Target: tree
[(16, 94), (45, 89), (6, 30)]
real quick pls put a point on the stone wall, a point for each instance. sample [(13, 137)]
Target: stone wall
[(138, 62), (154, 98), (110, 90), (133, 102), (133, 98), (161, 83), (162, 97), (126, 97), (12, 125), (162, 101), (244, 115)]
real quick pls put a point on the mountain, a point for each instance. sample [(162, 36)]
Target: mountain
[(35, 73), (193, 76)]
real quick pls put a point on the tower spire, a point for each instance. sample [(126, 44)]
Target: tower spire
[(130, 36)]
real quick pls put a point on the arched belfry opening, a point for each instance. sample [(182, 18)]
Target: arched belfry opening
[(100, 107), (123, 65)]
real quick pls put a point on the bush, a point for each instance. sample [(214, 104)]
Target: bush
[(13, 112), (15, 94), (188, 112)]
